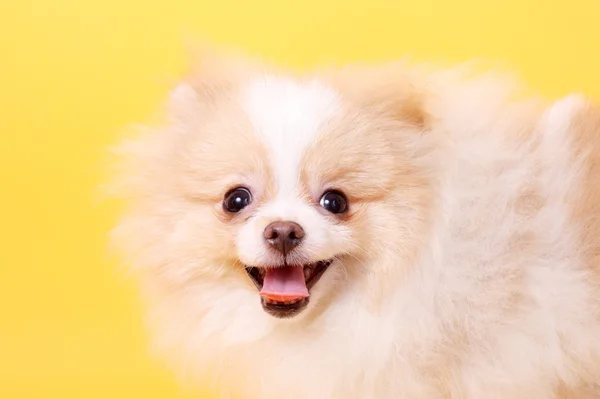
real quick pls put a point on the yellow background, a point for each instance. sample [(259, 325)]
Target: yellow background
[(73, 73)]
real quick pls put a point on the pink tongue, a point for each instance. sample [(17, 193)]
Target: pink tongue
[(284, 284)]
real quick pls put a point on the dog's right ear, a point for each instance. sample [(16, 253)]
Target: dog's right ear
[(212, 74), (183, 105)]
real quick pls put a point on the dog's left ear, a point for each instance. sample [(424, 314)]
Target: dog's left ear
[(394, 90)]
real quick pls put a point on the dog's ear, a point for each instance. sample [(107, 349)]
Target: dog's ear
[(214, 69), (183, 104), (212, 74), (393, 89)]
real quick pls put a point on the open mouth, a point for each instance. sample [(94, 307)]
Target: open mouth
[(285, 290)]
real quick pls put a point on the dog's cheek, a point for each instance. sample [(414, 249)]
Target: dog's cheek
[(362, 235), (183, 245), (208, 236)]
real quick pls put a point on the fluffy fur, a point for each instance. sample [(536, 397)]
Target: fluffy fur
[(468, 265)]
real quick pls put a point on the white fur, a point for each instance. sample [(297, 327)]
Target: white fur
[(496, 303), (288, 116)]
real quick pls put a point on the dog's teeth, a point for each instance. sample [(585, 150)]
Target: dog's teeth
[(273, 302), (307, 272)]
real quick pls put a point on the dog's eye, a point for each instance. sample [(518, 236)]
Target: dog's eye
[(237, 199), (334, 202)]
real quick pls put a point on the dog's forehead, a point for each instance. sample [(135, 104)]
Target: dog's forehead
[(288, 115)]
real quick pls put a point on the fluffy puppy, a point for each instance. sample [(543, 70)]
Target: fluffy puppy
[(374, 232)]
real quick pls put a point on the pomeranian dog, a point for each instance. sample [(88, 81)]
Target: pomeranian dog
[(374, 232)]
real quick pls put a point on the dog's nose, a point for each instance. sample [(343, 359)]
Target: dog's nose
[(284, 236)]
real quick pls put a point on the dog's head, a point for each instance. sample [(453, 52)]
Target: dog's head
[(277, 191)]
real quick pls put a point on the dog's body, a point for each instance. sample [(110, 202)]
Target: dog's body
[(467, 264)]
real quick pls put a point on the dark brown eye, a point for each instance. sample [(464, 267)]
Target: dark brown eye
[(334, 202), (237, 199)]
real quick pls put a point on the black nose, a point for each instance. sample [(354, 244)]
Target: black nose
[(284, 236)]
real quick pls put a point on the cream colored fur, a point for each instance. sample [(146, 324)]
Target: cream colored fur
[(468, 266)]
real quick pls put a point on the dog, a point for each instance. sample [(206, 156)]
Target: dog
[(380, 231)]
